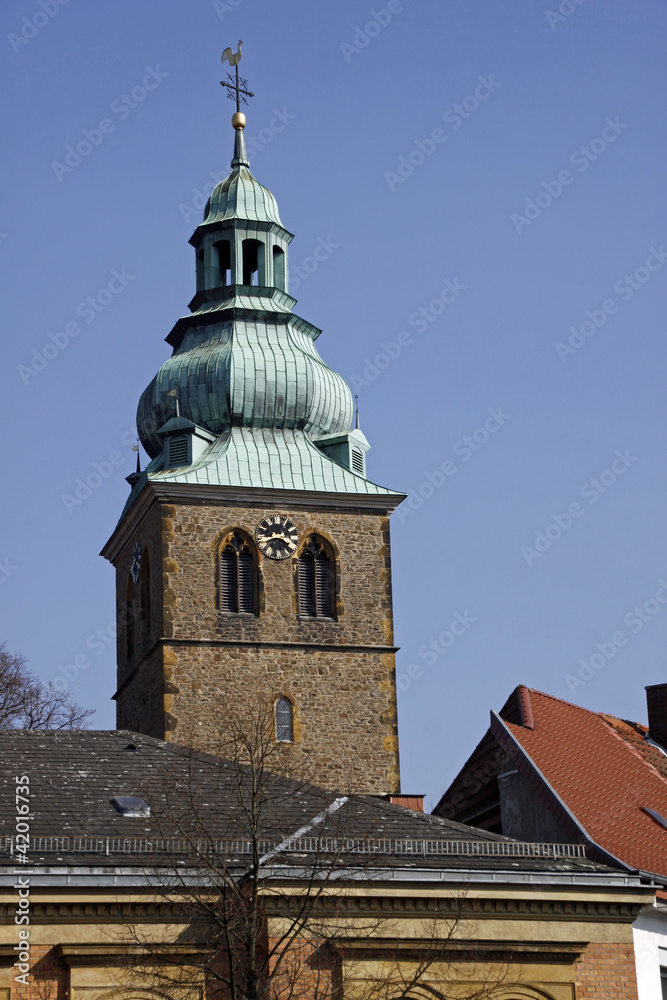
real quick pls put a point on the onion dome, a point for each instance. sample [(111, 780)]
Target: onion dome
[(245, 399)]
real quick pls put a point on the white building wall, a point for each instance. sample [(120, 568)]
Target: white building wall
[(650, 934)]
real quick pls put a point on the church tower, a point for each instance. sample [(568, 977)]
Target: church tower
[(252, 557)]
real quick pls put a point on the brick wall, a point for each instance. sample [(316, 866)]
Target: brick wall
[(48, 978), (606, 971)]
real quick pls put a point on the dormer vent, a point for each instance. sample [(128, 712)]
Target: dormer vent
[(178, 451)]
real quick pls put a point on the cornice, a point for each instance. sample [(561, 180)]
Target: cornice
[(373, 903), (451, 949), (185, 494)]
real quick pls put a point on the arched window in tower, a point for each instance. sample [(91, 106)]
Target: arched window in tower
[(279, 275), (223, 252), (201, 274), (284, 721), (316, 576), (129, 618), (238, 575), (253, 263), (145, 593)]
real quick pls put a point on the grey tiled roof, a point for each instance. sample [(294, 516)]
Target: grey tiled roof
[(75, 775)]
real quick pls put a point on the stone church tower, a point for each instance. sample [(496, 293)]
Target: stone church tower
[(252, 557)]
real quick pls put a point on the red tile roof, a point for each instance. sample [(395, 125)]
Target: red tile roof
[(603, 770)]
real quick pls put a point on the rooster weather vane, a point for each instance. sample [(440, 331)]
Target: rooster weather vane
[(237, 87)]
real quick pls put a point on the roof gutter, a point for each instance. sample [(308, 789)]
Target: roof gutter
[(531, 772)]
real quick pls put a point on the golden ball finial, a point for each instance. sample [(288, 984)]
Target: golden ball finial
[(238, 119)]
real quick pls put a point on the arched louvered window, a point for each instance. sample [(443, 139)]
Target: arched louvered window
[(129, 618), (237, 575), (145, 593), (284, 721), (316, 580)]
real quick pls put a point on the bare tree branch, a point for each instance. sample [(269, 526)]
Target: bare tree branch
[(26, 702)]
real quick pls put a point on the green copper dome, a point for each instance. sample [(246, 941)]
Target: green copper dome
[(240, 196), (245, 399)]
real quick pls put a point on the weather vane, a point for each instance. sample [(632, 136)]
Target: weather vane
[(237, 87)]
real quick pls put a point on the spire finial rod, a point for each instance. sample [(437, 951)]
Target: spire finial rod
[(237, 87), (356, 407)]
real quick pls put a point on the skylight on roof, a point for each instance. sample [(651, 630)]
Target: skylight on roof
[(658, 817), (129, 805)]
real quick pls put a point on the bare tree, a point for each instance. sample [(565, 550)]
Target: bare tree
[(28, 703), (260, 916)]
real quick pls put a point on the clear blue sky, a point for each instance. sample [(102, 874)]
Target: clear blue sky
[(534, 199)]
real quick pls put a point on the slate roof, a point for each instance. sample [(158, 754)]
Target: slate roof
[(601, 768), (75, 775)]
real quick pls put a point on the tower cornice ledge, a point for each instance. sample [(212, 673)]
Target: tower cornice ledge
[(153, 493)]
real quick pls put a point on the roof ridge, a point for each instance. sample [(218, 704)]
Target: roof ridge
[(553, 697), (628, 722), (582, 708)]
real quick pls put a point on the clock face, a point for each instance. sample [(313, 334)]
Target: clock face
[(277, 536), (135, 566)]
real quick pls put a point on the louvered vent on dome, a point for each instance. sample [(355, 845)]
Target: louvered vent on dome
[(179, 451), (358, 461)]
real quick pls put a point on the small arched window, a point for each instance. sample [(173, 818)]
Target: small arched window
[(201, 275), (145, 593), (284, 721), (129, 618), (237, 575), (279, 269), (316, 580), (223, 263), (253, 262)]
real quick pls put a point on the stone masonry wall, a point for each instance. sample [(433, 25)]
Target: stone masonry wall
[(337, 673)]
